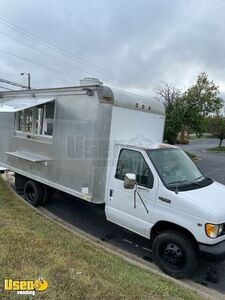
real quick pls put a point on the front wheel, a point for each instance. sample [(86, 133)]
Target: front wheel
[(175, 254)]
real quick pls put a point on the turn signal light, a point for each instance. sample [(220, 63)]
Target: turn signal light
[(212, 230)]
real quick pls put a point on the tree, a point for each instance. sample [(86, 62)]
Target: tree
[(200, 100), (188, 110), (167, 92), (172, 99), (216, 126), (174, 121)]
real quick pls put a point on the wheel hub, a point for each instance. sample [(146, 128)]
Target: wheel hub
[(173, 254)]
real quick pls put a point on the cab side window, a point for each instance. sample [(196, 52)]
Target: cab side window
[(131, 161)]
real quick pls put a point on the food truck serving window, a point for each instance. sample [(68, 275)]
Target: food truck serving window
[(36, 120), (34, 116)]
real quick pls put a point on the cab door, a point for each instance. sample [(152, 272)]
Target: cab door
[(132, 209)]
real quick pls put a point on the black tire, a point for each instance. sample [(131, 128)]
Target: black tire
[(48, 191), (175, 254), (33, 192)]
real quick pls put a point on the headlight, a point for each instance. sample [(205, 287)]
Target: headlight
[(213, 230)]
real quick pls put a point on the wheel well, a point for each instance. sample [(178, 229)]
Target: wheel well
[(19, 182), (165, 225)]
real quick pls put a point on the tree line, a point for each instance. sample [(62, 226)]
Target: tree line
[(195, 110)]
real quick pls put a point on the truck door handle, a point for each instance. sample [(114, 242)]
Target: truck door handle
[(165, 200), (110, 193)]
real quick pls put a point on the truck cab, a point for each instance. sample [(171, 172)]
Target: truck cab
[(156, 191)]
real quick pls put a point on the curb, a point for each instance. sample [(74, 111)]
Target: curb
[(128, 257)]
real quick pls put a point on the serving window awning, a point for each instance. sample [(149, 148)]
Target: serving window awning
[(18, 104)]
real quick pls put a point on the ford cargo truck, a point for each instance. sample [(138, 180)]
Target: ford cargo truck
[(104, 146)]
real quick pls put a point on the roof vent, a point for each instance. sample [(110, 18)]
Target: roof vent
[(89, 81)]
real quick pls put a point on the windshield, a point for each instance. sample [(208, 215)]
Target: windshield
[(175, 168)]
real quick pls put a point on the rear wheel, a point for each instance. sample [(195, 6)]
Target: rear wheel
[(33, 192), (175, 254), (48, 191)]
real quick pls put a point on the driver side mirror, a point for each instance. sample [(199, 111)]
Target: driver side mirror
[(129, 181)]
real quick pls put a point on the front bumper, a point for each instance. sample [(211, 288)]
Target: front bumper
[(216, 251)]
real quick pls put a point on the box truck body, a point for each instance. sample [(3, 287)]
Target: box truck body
[(85, 123)]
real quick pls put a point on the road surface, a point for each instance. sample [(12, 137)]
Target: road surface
[(212, 164)]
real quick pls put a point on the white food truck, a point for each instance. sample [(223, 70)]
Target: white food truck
[(105, 146)]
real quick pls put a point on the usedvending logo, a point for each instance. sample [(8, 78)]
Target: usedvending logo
[(25, 287)]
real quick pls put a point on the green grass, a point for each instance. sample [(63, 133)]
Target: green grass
[(217, 149), (33, 246)]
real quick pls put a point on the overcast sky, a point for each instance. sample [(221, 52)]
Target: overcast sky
[(125, 43)]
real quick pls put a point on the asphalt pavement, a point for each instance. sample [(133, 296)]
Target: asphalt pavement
[(211, 164), (91, 219)]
